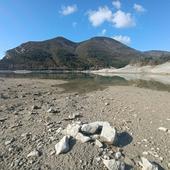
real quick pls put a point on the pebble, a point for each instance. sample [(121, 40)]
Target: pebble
[(52, 110), (74, 116), (163, 129), (106, 104), (145, 153), (98, 143), (118, 155), (34, 153), (8, 142)]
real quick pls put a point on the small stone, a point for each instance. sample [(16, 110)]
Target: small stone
[(26, 135), (52, 110), (147, 165), (63, 145), (34, 153), (106, 157), (8, 142), (118, 155), (161, 158), (74, 116), (112, 164), (98, 159), (145, 153), (106, 104), (98, 143), (163, 129), (52, 152)]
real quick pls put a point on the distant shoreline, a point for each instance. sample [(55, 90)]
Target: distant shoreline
[(162, 69)]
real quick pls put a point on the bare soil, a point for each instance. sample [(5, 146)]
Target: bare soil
[(136, 113)]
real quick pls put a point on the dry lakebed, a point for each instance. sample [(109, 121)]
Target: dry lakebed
[(43, 126)]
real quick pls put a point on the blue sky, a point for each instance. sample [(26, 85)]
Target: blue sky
[(142, 24)]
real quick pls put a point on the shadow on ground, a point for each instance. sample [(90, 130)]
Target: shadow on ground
[(124, 139)]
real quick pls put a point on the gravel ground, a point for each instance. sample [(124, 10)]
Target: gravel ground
[(26, 124)]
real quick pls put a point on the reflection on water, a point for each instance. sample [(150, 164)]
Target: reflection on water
[(82, 83)]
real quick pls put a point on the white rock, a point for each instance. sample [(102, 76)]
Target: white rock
[(52, 110), (118, 155), (82, 138), (168, 165), (72, 129), (112, 164), (106, 157), (98, 159), (90, 128), (73, 116), (98, 143), (145, 153), (63, 145), (147, 165), (108, 134), (163, 129), (8, 142), (34, 153)]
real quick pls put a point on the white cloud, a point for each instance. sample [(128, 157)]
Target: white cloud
[(139, 8), (67, 10), (100, 16), (123, 39), (119, 19), (122, 19), (103, 31), (116, 4)]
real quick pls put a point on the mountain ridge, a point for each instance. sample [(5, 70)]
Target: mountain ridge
[(62, 53)]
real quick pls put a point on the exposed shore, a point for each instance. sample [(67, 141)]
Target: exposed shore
[(135, 69), (136, 112)]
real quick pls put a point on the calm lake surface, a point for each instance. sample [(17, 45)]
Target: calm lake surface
[(82, 83)]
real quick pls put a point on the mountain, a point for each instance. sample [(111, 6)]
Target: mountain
[(60, 53), (154, 57)]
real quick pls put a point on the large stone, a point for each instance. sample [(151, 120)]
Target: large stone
[(91, 128), (72, 129), (112, 164), (63, 145), (147, 165), (108, 134), (82, 138)]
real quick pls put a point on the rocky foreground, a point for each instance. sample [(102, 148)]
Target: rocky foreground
[(44, 127)]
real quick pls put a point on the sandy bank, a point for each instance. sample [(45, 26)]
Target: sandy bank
[(159, 69)]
